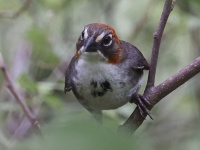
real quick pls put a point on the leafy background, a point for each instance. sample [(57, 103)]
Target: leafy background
[(37, 47)]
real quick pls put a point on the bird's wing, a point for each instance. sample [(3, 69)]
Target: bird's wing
[(69, 74), (134, 57)]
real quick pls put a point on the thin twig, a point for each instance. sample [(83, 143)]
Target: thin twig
[(34, 122), (156, 44), (13, 15), (175, 81)]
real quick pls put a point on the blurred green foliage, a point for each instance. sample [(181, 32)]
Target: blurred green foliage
[(37, 47), (80, 134), (27, 83)]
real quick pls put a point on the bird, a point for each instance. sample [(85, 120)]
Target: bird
[(106, 72)]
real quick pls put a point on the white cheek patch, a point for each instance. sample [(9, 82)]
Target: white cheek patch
[(86, 33), (100, 37)]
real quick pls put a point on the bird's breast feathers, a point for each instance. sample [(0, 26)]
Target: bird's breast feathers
[(102, 85)]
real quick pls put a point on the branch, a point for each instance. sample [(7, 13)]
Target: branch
[(162, 90), (17, 96), (13, 15), (155, 94), (156, 44)]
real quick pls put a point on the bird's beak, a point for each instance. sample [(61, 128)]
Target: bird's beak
[(90, 45)]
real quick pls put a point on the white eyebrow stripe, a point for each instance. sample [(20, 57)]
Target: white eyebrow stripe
[(86, 33), (100, 37)]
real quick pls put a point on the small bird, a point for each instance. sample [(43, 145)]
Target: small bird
[(106, 72)]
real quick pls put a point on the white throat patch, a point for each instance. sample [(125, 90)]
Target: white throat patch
[(94, 56)]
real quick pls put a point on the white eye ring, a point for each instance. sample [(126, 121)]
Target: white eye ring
[(107, 40)]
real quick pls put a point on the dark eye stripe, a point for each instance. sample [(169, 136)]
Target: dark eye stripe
[(82, 35)]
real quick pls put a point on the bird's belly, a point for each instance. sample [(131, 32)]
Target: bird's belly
[(104, 86), (108, 101), (105, 98)]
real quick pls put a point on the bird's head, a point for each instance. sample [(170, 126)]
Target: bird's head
[(99, 39)]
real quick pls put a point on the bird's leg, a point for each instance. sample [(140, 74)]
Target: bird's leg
[(97, 115), (142, 104)]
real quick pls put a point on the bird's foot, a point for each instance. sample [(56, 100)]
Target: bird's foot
[(142, 103)]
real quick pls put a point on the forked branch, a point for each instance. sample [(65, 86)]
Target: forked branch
[(156, 93), (162, 90)]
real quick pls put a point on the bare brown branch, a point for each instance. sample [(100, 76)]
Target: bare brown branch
[(18, 97), (156, 44), (155, 94), (162, 90)]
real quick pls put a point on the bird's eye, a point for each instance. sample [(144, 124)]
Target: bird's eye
[(107, 40)]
